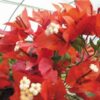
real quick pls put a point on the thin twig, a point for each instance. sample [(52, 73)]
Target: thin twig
[(13, 13), (23, 5)]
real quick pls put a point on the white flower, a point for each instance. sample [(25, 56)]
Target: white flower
[(26, 95), (17, 46), (29, 38), (35, 88), (24, 83), (94, 68), (52, 28), (28, 90), (64, 26)]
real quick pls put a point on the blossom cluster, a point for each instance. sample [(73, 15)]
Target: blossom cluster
[(55, 62)]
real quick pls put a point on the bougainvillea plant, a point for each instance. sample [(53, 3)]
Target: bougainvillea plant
[(55, 62)]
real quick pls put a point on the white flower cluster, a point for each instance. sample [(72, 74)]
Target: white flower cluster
[(29, 38), (94, 68), (24, 83), (35, 88), (52, 28), (28, 90)]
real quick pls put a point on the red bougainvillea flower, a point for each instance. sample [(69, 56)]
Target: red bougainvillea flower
[(52, 42), (46, 69), (32, 87), (87, 91), (53, 91), (41, 17), (50, 38), (47, 35), (80, 20), (93, 25), (36, 91), (43, 56), (15, 43), (82, 75), (65, 26), (26, 86), (8, 45), (20, 30), (9, 40), (22, 23)]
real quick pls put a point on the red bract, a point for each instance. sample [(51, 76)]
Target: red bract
[(4, 67), (11, 41), (8, 42), (55, 62), (82, 76), (44, 53), (97, 25), (4, 81), (51, 91), (46, 90), (41, 17), (81, 20), (22, 23), (88, 91), (52, 42), (18, 76), (46, 69), (72, 23), (84, 6), (82, 73)]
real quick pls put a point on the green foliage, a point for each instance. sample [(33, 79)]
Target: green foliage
[(56, 57), (78, 44), (66, 57), (11, 61), (95, 47), (90, 94)]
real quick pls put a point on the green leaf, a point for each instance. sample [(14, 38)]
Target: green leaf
[(11, 62), (98, 42), (93, 45), (78, 44), (90, 94), (1, 54), (56, 57), (1, 59), (66, 57), (81, 41)]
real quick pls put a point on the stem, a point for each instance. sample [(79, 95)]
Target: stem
[(71, 65), (98, 10), (86, 51), (86, 38), (79, 80), (23, 5), (13, 13)]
